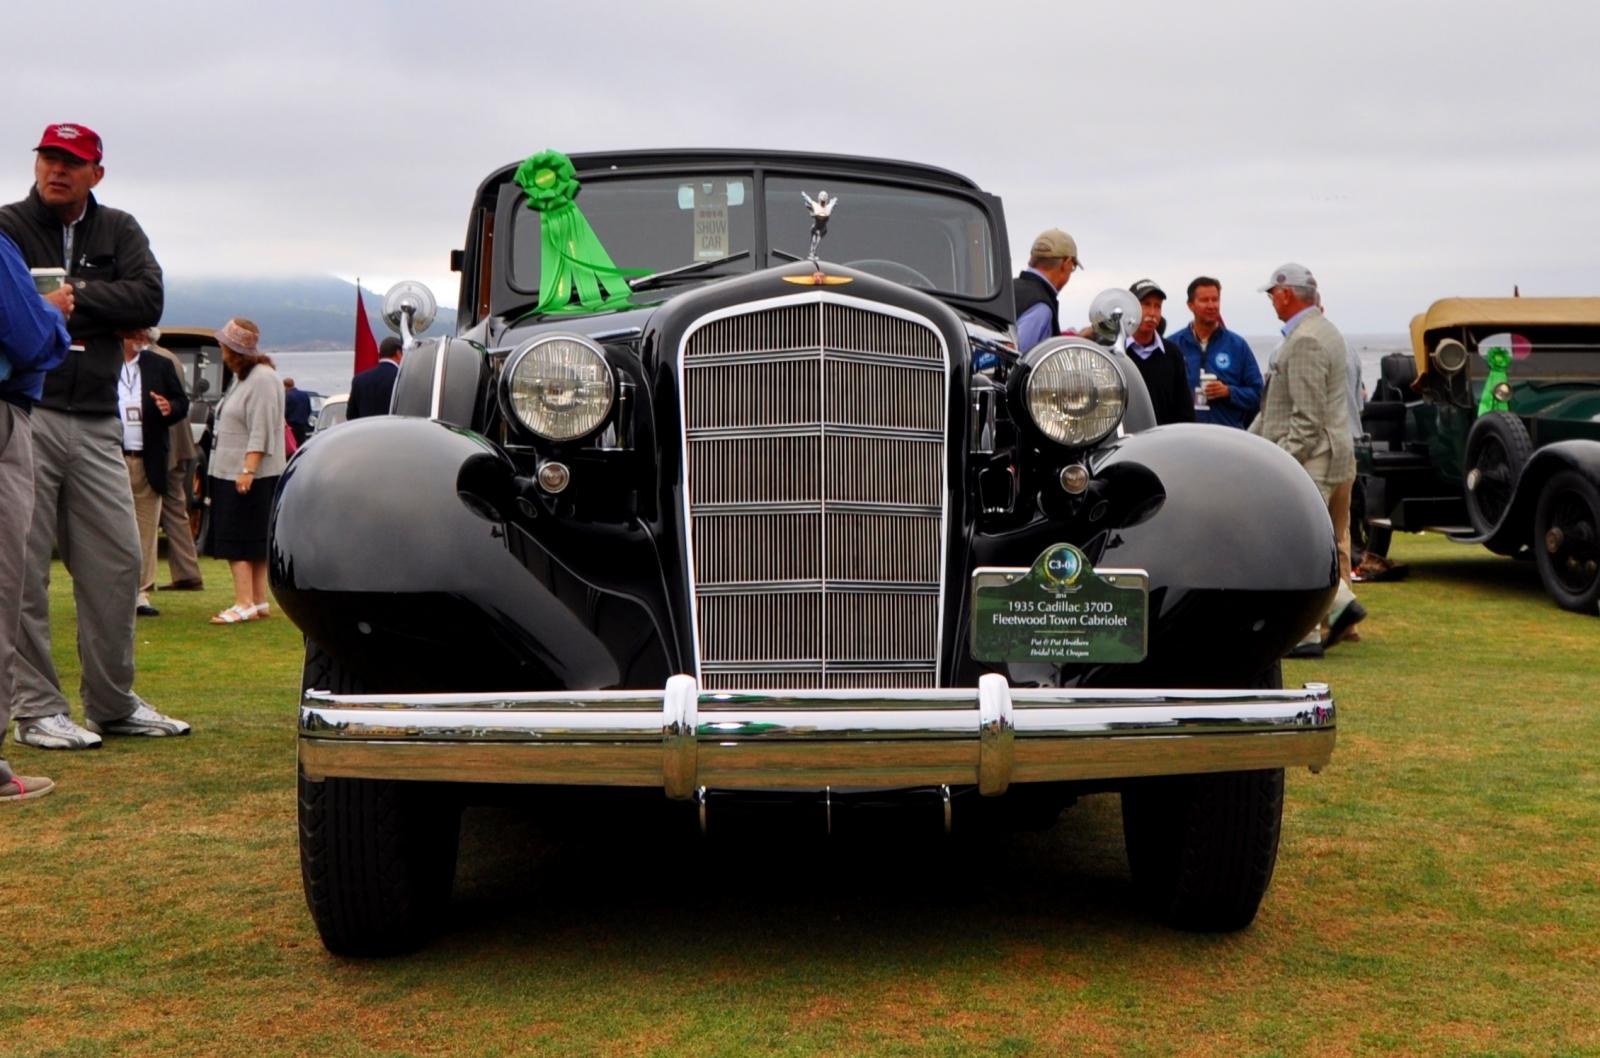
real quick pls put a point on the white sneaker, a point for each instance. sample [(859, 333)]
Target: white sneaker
[(142, 721), (56, 731)]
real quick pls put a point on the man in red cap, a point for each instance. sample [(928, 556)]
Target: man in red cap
[(82, 501)]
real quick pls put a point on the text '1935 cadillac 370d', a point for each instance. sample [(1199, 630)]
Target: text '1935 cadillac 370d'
[(730, 489)]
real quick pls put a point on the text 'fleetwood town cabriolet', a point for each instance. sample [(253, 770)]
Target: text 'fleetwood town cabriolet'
[(706, 499)]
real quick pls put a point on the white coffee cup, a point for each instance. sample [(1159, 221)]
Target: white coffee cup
[(48, 280)]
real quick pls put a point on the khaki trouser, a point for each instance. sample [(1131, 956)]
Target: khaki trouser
[(1338, 501), (182, 561), (147, 513), (1339, 511), (82, 505), (16, 512)]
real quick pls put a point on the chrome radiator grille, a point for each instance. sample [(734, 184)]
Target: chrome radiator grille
[(815, 452)]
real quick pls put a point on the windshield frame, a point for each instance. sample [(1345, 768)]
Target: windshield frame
[(997, 304)]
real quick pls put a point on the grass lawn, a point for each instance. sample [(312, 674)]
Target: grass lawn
[(1437, 891)]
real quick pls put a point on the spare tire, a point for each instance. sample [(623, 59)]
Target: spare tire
[(1498, 447)]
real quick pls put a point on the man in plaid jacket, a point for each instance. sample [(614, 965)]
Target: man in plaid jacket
[(1306, 412)]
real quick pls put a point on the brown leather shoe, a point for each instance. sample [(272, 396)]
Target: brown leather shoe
[(184, 585)]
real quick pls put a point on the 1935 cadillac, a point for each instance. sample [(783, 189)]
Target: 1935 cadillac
[(707, 499)]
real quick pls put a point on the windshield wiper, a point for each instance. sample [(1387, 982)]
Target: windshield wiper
[(656, 278), (785, 254)]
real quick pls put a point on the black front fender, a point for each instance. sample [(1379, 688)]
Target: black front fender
[(1515, 530), (388, 550), (1239, 514), (1240, 552)]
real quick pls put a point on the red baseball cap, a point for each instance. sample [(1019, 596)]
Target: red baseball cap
[(79, 140)]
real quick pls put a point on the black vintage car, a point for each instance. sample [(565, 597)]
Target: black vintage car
[(719, 520)]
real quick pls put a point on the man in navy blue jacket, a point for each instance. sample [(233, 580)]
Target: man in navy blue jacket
[(1234, 396), (33, 339), (372, 391)]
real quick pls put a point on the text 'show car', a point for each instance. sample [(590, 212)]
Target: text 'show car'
[(1491, 431), (705, 499)]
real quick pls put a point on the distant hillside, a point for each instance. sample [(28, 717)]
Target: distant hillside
[(316, 312)]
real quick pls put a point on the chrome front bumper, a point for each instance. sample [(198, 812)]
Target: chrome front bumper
[(684, 739)]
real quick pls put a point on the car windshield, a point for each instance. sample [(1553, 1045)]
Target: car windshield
[(652, 224), (925, 239)]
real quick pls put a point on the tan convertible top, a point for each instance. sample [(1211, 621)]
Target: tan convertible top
[(1507, 313)]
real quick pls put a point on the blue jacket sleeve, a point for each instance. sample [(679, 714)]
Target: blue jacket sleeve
[(1244, 390), (33, 336)]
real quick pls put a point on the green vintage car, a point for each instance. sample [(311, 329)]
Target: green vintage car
[(1490, 432)]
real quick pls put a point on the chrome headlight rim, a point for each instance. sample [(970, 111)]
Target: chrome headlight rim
[(1115, 392), (597, 417)]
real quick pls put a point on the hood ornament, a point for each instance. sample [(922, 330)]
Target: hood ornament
[(820, 208)]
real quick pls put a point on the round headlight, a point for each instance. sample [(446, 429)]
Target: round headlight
[(1449, 355), (559, 386), (1075, 394)]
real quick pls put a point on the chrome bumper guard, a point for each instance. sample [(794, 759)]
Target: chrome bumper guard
[(685, 739)]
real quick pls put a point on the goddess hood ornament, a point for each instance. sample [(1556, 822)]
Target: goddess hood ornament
[(820, 208)]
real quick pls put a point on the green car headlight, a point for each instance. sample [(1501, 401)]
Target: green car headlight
[(559, 386)]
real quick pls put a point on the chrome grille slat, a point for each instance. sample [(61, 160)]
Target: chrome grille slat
[(814, 436)]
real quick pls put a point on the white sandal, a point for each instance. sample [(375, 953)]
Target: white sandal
[(235, 614), (261, 610)]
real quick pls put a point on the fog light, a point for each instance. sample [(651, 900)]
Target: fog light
[(554, 477), (1075, 478), (1502, 392)]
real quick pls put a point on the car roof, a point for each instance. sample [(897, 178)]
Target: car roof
[(846, 165), (1499, 313)]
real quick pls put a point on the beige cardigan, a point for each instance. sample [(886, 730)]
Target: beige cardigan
[(250, 419)]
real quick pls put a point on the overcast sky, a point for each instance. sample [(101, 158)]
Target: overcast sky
[(1404, 151)]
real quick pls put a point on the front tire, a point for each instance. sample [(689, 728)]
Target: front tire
[(1566, 541), (377, 857), (1202, 848)]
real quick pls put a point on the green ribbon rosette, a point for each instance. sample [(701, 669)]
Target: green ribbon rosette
[(570, 255), (1499, 359)]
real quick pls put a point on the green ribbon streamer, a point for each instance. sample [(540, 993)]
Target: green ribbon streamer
[(571, 258), (1499, 360)]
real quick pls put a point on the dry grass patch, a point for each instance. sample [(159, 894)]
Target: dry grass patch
[(1437, 893)]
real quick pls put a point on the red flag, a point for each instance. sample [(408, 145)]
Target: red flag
[(366, 345)]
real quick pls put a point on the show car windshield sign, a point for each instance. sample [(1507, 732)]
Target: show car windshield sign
[(1062, 611)]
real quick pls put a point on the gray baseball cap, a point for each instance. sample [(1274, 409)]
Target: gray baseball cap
[(1290, 275)]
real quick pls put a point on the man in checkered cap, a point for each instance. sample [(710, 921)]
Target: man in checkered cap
[(83, 504)]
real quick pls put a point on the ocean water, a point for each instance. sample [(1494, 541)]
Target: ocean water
[(322, 372), (329, 373)]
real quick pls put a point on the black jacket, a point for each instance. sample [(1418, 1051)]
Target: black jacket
[(1029, 290), (116, 287), (372, 391), (1168, 382), (157, 373)]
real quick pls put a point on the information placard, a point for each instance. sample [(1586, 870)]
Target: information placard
[(1061, 611)]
